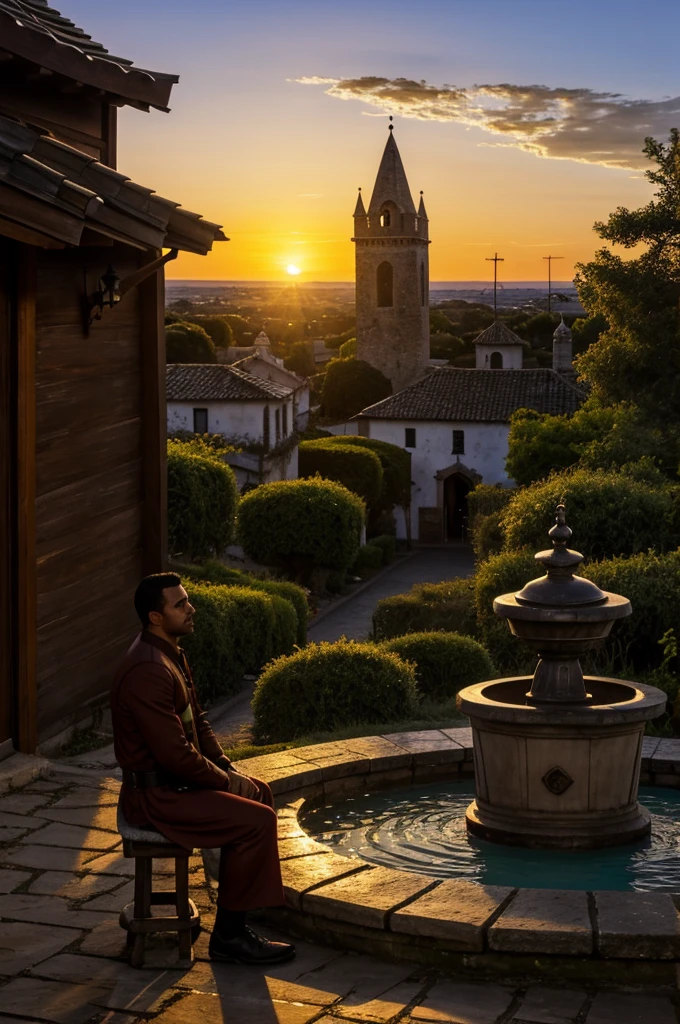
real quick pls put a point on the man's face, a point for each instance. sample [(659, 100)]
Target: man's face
[(177, 617)]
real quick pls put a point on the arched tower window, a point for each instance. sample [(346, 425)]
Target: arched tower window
[(496, 362), (422, 284), (384, 277), (385, 219)]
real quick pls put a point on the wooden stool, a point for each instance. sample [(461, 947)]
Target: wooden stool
[(144, 844)]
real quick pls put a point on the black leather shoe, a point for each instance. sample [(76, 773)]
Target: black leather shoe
[(250, 948)]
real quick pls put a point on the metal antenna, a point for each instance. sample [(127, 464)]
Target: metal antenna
[(495, 259), (550, 259)]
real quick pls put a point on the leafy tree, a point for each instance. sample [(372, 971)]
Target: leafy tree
[(350, 385), (585, 331), (348, 349), (300, 359), (445, 346), (189, 343), (637, 359), (358, 469), (219, 329), (440, 323)]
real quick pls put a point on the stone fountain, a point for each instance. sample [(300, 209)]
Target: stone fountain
[(557, 757)]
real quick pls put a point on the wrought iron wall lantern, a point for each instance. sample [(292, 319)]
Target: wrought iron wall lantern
[(111, 289)]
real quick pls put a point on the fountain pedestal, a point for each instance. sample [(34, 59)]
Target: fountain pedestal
[(557, 756)]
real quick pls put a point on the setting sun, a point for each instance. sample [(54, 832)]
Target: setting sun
[(293, 270)]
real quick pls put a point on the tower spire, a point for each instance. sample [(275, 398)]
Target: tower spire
[(359, 210), (391, 183)]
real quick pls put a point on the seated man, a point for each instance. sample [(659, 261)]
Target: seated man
[(177, 779)]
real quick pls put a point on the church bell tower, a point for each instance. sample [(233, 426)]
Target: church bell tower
[(392, 276)]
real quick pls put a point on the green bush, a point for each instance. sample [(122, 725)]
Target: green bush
[(348, 349), (326, 686), (358, 469), (213, 571), (445, 662), (504, 573), (202, 498), (350, 385), (368, 561), (427, 607), (396, 464), (486, 503), (387, 543), (610, 513), (301, 525)]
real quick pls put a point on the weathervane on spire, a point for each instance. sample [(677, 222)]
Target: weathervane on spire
[(391, 126)]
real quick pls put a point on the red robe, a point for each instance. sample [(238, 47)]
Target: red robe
[(151, 690)]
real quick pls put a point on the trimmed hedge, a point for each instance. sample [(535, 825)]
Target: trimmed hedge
[(487, 503), (326, 686), (358, 469), (444, 662), (368, 561), (610, 513), (216, 572), (396, 464), (202, 499), (351, 385), (301, 525), (427, 607), (387, 543), (504, 573), (236, 630)]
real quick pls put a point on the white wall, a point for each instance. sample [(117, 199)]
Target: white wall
[(512, 356), (240, 420), (486, 446)]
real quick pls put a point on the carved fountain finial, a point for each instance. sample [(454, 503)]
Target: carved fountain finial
[(560, 587)]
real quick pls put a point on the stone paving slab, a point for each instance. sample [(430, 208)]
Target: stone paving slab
[(636, 925), (457, 910), (88, 817), (382, 1008), (23, 945), (463, 1003), (44, 858), (14, 820), (11, 835), (224, 1009), (384, 754), (550, 1006), (300, 874), (47, 910), (10, 880), (544, 921), (361, 977), (50, 1000), (428, 746), (366, 898), (121, 987), (631, 1008), (73, 837), (22, 803), (72, 886)]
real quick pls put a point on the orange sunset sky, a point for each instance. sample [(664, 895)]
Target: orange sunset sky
[(521, 122)]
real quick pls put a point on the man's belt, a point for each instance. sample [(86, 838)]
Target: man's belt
[(145, 780)]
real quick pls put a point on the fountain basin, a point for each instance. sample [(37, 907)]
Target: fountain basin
[(558, 776)]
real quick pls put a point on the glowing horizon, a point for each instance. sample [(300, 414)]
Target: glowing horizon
[(281, 113)]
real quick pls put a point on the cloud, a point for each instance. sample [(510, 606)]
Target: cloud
[(561, 124)]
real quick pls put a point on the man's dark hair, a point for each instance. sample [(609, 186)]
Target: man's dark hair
[(149, 594)]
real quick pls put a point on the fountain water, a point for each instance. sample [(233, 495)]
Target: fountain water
[(557, 757)]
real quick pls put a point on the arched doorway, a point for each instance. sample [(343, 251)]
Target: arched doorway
[(456, 490)]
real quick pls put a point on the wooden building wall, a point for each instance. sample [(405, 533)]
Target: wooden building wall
[(99, 476), (6, 489)]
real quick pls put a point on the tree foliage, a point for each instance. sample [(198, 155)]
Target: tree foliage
[(396, 464), (300, 359), (637, 359), (202, 498), (188, 343), (350, 385)]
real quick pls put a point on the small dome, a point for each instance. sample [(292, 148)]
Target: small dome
[(562, 331)]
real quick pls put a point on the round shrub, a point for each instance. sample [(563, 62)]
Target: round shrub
[(445, 662), (610, 513), (368, 561), (326, 686), (358, 469), (188, 343), (396, 464), (486, 503), (427, 607), (387, 543), (504, 573), (350, 385), (301, 525), (202, 498), (213, 571)]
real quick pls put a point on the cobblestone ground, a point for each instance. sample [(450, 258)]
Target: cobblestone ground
[(63, 881)]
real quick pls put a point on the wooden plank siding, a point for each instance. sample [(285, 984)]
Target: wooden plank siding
[(6, 490), (90, 468)]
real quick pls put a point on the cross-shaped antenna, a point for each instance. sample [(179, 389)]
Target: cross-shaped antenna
[(550, 259), (495, 259)]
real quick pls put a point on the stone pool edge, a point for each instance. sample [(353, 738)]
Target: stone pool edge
[(452, 921)]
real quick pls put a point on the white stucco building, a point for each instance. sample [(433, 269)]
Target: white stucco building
[(261, 363), (498, 348), (250, 412), (455, 423)]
